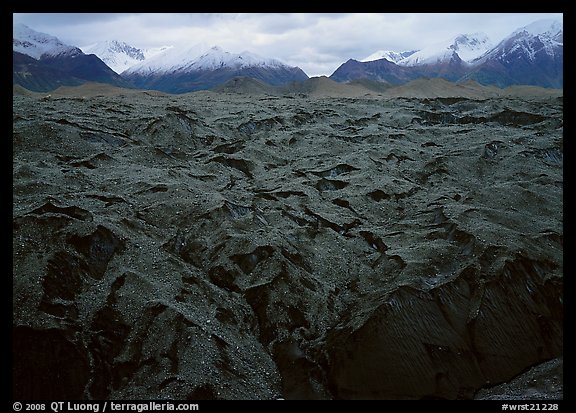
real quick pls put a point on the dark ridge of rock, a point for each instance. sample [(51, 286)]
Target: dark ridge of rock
[(454, 345), (379, 195), (226, 246), (505, 117), (240, 164), (286, 194), (71, 211), (516, 118), (428, 144), (320, 221), (335, 171)]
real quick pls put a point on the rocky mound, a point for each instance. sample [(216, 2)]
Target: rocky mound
[(212, 246), (246, 85), (441, 88), (323, 86), (93, 89)]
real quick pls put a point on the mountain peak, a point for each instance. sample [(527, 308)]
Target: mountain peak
[(389, 55), (465, 47), (122, 47), (36, 44), (530, 43), (118, 55), (472, 40), (546, 27)]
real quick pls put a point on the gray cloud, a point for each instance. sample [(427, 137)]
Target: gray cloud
[(58, 19), (316, 42)]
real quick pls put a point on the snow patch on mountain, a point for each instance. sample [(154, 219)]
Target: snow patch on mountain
[(36, 44), (467, 47), (389, 55)]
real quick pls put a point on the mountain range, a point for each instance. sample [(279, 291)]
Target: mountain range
[(532, 55)]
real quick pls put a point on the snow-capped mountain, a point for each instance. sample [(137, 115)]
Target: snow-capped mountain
[(389, 55), (185, 69), (120, 56), (216, 58), (532, 55), (36, 44), (199, 57), (41, 62), (543, 37), (466, 47)]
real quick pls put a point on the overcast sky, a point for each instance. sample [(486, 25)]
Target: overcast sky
[(316, 42)]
